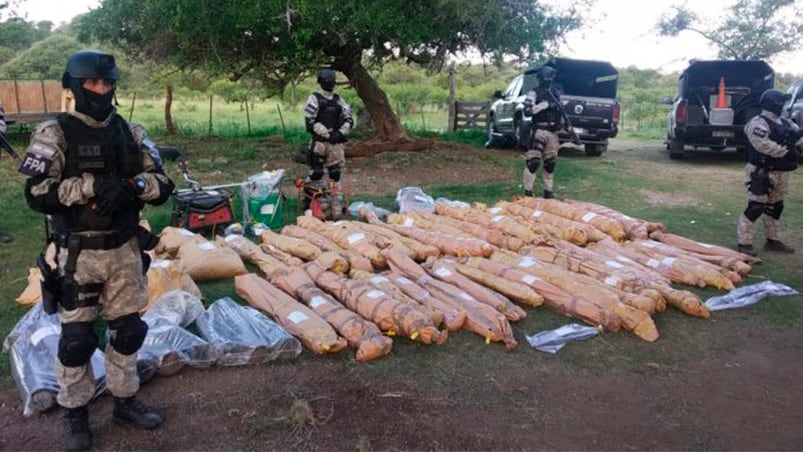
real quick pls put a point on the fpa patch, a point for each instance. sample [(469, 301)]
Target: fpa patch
[(759, 132), (37, 160)]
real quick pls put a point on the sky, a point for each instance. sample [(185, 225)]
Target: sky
[(623, 33)]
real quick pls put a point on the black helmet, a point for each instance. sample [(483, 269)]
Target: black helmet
[(89, 64), (326, 78), (772, 100), (547, 74)]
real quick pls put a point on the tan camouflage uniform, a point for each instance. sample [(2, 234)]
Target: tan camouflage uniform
[(125, 287), (543, 146), (757, 132)]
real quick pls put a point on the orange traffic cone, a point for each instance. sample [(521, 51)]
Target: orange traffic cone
[(721, 101)]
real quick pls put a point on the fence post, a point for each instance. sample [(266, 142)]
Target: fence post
[(17, 95), (247, 116), (281, 119), (210, 114), (44, 94), (133, 101), (452, 89)]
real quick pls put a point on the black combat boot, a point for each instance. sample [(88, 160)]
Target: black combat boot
[(778, 246), (75, 434), (548, 194), (130, 411), (528, 193), (746, 249)]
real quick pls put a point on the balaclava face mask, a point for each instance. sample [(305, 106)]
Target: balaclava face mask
[(328, 85), (96, 106)]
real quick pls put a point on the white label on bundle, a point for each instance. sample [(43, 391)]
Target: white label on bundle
[(649, 245), (408, 222), (705, 245), (653, 263), (42, 333), (443, 271), (185, 232), (623, 259), (626, 217), (466, 296), (497, 218), (317, 300), (526, 262), (160, 263), (375, 294), (230, 238), (589, 216), (529, 279), (206, 246), (297, 317), (668, 261), (494, 210), (403, 280), (611, 281), (613, 264), (356, 237), (378, 280), (537, 213)]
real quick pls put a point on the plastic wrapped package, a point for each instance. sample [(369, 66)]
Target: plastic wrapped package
[(33, 315), (242, 335), (33, 354), (168, 347), (354, 209), (409, 199), (177, 307), (747, 295), (553, 340)]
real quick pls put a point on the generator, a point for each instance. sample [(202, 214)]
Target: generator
[(200, 209)]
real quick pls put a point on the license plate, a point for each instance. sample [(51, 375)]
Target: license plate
[(579, 130), (723, 134)]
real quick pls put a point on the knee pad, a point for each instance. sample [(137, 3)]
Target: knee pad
[(127, 333), (774, 210), (77, 343), (549, 165), (316, 173), (533, 164), (754, 210), (334, 173)]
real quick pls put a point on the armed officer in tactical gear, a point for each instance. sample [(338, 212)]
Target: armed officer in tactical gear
[(92, 173), (542, 144), (328, 119), (773, 150)]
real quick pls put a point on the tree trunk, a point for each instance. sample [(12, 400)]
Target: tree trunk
[(171, 128), (386, 123)]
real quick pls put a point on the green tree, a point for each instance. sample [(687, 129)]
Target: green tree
[(751, 29), (17, 34), (44, 60), (279, 41)]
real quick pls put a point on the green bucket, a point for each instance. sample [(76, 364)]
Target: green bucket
[(269, 211)]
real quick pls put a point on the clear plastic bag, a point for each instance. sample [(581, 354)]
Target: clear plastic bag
[(242, 335), (354, 209), (169, 347), (747, 295), (452, 203), (553, 340), (33, 355), (177, 307), (33, 315), (409, 199)]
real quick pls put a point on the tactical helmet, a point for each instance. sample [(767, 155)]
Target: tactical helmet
[(772, 100), (89, 64), (546, 73)]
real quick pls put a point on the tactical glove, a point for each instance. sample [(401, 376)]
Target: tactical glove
[(111, 195), (336, 137)]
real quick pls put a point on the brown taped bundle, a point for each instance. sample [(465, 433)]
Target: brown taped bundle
[(297, 247), (373, 304), (571, 231), (357, 241), (492, 236), (32, 293), (292, 230), (515, 290), (453, 317), (283, 257), (360, 333), (205, 261), (502, 223), (252, 253), (423, 220), (635, 228), (675, 273), (386, 285), (299, 320), (636, 321), (607, 225), (708, 273), (421, 251), (171, 239), (480, 318), (702, 248), (443, 270), (733, 269), (165, 276), (451, 245), (334, 262)]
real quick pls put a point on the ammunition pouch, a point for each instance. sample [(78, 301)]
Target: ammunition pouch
[(147, 240), (760, 184), (50, 284)]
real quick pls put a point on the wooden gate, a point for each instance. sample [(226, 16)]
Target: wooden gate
[(470, 115)]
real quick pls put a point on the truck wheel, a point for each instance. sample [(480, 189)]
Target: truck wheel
[(595, 149), (675, 149), (491, 132)]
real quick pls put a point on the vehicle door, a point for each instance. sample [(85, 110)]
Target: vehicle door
[(507, 107)]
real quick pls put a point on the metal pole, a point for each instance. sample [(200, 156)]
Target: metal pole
[(133, 100), (210, 114), (452, 89), (247, 116)]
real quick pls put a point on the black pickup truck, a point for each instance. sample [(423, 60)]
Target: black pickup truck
[(715, 100), (588, 95)]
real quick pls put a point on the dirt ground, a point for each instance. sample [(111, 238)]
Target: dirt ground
[(726, 384)]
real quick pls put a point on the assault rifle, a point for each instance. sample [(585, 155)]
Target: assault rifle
[(7, 146), (566, 121)]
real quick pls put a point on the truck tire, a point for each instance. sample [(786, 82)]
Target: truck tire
[(595, 149), (675, 149), (491, 133)]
